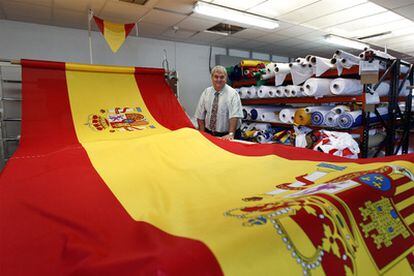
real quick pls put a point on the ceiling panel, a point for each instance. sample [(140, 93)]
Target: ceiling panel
[(237, 4), (179, 6), (47, 3), (69, 18), (271, 38), (230, 41), (345, 15), (392, 4), (27, 12), (122, 12), (295, 31), (407, 11), (275, 8), (162, 18), (318, 9), (79, 5), (249, 34), (205, 37), (253, 44), (179, 34), (197, 24)]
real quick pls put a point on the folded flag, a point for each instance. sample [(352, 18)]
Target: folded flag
[(114, 33)]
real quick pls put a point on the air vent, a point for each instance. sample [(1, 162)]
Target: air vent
[(137, 2), (225, 29)]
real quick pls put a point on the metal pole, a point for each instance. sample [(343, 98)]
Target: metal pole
[(90, 14), (407, 114), (392, 102)]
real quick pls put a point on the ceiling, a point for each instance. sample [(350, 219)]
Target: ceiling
[(303, 23)]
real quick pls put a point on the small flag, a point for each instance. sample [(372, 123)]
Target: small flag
[(114, 33)]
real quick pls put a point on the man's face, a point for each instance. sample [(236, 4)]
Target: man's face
[(219, 80)]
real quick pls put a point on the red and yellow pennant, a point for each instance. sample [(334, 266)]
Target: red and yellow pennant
[(111, 179), (114, 33)]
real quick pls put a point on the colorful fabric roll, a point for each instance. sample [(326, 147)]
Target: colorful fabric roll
[(302, 117), (318, 117)]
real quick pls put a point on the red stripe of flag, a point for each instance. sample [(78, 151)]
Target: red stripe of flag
[(403, 196), (128, 28), (100, 23)]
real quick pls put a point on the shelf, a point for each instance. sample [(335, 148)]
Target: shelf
[(312, 100)]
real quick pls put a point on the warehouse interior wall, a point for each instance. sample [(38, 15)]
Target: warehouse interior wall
[(34, 41)]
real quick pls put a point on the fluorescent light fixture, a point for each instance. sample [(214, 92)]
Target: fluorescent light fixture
[(216, 32), (234, 15), (346, 42)]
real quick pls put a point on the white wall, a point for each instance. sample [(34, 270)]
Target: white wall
[(33, 41)]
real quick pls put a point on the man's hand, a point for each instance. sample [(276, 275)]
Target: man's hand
[(229, 136)]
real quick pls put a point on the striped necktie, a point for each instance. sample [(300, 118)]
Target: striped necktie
[(213, 117)]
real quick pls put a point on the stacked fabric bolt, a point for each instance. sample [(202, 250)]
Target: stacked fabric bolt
[(258, 132), (354, 118)]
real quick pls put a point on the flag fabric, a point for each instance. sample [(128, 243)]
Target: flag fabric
[(114, 33), (112, 179)]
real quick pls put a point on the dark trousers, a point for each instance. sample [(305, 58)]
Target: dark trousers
[(237, 134)]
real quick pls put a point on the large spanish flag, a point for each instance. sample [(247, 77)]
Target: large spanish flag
[(114, 33), (111, 179)]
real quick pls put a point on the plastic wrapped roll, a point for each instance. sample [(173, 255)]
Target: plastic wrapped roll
[(342, 86), (287, 115), (310, 109), (265, 91), (302, 117), (354, 118), (318, 117), (260, 126), (320, 65), (280, 91), (331, 119), (281, 71), (252, 92), (339, 109), (269, 71), (317, 88), (300, 72), (270, 117), (347, 60), (256, 112), (292, 90), (243, 92)]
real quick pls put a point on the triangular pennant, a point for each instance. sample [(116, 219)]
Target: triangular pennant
[(114, 33)]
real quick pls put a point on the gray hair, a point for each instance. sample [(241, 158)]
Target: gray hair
[(218, 68)]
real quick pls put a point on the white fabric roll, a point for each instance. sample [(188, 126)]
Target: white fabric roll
[(300, 72), (346, 59), (404, 90), (292, 90), (260, 126), (342, 86), (252, 92), (331, 119), (270, 71), (339, 109), (280, 91), (287, 115), (310, 109), (317, 87), (281, 71), (383, 89), (320, 65), (266, 91), (257, 111), (270, 117), (243, 92)]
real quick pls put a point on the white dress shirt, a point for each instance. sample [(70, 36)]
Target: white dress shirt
[(229, 106)]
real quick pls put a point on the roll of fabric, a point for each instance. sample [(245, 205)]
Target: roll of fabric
[(300, 72), (243, 92), (256, 111), (354, 118), (261, 126), (339, 109), (281, 71), (292, 90), (287, 115), (320, 65), (264, 137), (344, 87), (347, 59), (252, 92), (404, 90), (246, 112), (280, 91), (265, 91), (252, 63), (269, 117), (269, 71), (331, 119), (302, 117), (318, 117), (310, 109), (317, 88)]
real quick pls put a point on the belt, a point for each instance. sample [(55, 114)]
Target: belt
[(215, 133)]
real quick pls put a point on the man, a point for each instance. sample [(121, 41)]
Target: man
[(219, 110)]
